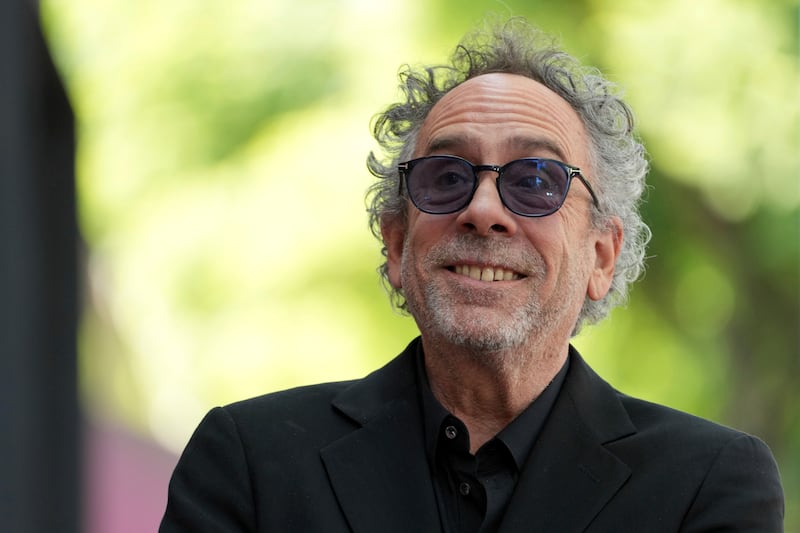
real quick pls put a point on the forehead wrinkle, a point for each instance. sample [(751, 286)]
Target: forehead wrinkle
[(525, 118), (533, 146), (537, 145)]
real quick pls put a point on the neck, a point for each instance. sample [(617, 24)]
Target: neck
[(487, 391)]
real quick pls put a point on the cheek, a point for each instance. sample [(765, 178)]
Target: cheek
[(546, 240), (564, 255), (424, 231)]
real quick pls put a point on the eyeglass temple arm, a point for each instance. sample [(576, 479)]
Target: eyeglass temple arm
[(402, 168), (576, 173)]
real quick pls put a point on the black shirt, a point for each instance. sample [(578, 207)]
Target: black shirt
[(473, 491)]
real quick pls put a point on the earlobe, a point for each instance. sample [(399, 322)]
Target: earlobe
[(607, 249), (393, 233)]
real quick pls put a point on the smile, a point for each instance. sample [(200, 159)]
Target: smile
[(486, 273)]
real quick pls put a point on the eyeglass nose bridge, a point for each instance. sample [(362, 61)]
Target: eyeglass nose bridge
[(476, 169)]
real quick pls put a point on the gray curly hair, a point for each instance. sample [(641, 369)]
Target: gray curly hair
[(515, 47)]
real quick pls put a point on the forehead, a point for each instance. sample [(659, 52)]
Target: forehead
[(504, 114)]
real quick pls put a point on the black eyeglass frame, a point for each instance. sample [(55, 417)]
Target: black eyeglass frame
[(404, 170)]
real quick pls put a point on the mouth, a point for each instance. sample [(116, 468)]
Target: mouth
[(486, 273)]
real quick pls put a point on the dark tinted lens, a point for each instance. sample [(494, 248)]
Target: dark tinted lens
[(533, 186), (440, 184)]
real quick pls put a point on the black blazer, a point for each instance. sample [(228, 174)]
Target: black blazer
[(350, 456)]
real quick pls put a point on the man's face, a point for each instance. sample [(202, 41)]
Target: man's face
[(484, 278)]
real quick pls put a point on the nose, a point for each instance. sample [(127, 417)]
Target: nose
[(486, 213)]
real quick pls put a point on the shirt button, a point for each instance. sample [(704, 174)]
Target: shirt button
[(450, 432), (464, 489)]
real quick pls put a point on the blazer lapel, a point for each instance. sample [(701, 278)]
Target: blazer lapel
[(570, 476), (379, 472)]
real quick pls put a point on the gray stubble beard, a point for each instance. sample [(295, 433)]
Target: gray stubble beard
[(434, 309)]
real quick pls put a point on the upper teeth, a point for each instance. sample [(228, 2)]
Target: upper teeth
[(486, 273)]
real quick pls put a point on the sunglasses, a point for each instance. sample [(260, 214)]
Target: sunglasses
[(530, 187)]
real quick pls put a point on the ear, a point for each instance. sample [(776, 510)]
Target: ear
[(606, 248), (393, 232)]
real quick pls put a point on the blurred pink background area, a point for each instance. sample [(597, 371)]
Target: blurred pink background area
[(125, 483)]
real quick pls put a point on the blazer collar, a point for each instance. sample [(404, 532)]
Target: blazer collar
[(382, 479), (570, 476), (380, 472)]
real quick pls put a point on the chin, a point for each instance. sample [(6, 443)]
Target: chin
[(481, 335)]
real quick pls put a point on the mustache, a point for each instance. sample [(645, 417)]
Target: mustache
[(471, 248)]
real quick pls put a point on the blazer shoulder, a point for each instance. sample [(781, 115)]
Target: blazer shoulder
[(614, 416), (300, 411), (729, 478), (323, 411), (660, 421), (652, 436), (676, 439), (302, 397)]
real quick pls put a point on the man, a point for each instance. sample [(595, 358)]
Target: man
[(507, 206)]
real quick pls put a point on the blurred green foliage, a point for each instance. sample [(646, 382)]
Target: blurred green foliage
[(221, 181)]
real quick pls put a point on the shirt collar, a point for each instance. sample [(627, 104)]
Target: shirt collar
[(519, 436)]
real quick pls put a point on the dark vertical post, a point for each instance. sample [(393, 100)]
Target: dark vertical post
[(39, 433)]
